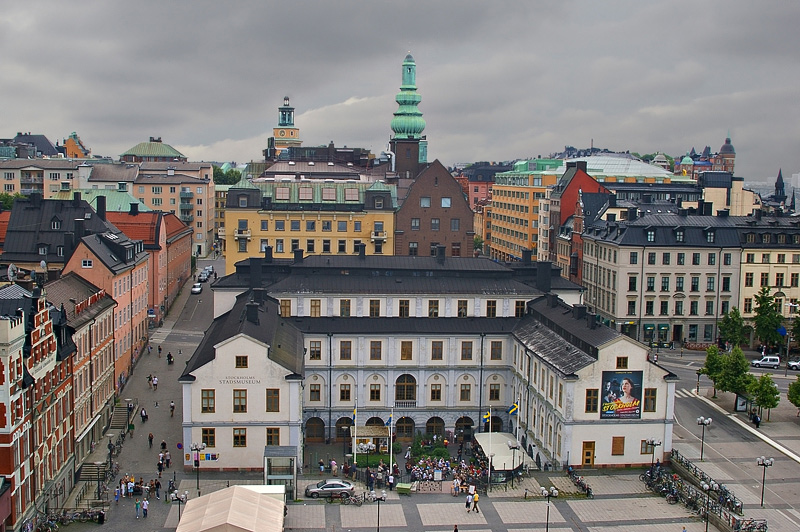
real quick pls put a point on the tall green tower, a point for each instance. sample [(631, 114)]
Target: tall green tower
[(408, 144)]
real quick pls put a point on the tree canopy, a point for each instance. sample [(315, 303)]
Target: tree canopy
[(7, 200), (767, 317), (714, 365), (764, 391), (735, 376), (793, 394), (732, 328), (231, 177)]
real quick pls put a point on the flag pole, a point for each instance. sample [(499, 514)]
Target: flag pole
[(355, 435), (391, 450)]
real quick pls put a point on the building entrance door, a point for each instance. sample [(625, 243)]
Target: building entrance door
[(588, 453)]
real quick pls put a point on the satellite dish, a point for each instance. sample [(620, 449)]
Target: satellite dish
[(12, 272), (43, 264)]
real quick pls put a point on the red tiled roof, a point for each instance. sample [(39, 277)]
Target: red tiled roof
[(4, 217), (173, 225), (139, 227)]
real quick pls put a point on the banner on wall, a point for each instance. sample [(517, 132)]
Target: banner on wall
[(621, 396)]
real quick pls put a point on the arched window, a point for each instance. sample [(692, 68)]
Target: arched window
[(405, 428), (435, 425), (405, 388)]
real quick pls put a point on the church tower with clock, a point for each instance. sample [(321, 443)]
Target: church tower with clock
[(285, 135)]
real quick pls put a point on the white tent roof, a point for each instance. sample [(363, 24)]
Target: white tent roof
[(496, 443), (234, 509)]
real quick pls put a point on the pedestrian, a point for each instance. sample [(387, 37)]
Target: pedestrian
[(757, 420), (455, 528), (130, 409), (475, 503), (130, 487), (371, 481), (149, 349), (150, 439), (137, 504), (469, 501), (143, 415), (334, 468), (116, 495), (158, 489), (171, 408), (163, 445), (150, 381), (321, 467), (122, 488), (145, 505), (167, 459), (161, 457), (160, 467), (155, 383), (159, 351), (391, 481), (472, 489)]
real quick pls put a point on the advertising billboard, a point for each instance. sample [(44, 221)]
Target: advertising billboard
[(621, 396)]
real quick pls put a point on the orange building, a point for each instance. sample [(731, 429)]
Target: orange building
[(74, 148)]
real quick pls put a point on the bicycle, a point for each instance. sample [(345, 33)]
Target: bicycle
[(371, 496), (351, 499)]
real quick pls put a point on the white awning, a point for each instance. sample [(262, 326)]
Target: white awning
[(497, 443), (234, 509)]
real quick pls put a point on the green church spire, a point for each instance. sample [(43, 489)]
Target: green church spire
[(408, 122)]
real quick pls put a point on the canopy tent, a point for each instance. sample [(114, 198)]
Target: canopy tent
[(234, 509), (497, 443)]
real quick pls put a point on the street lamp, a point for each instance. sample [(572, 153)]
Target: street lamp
[(196, 448), (704, 422), (552, 493), (708, 488), (489, 478), (513, 446), (765, 463), (180, 499), (652, 443)]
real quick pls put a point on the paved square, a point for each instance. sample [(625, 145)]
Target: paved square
[(367, 516), (527, 511), (606, 484), (599, 510), (305, 516), (448, 513), (659, 527)]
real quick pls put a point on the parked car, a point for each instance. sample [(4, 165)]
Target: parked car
[(203, 277), (197, 288), (209, 268), (794, 364), (330, 488), (767, 362)]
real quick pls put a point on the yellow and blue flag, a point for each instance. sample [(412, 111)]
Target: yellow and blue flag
[(487, 416), (389, 421), (513, 409), (355, 411)]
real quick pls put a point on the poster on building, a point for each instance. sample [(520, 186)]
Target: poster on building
[(621, 395)]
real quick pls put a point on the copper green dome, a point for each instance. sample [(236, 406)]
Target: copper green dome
[(408, 122)]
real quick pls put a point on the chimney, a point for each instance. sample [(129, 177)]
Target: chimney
[(298, 256), (723, 213), (552, 300), (591, 320), (101, 207), (572, 164), (69, 243), (700, 206), (683, 212), (611, 217), (252, 312), (544, 276), (579, 312), (708, 209), (757, 214), (255, 271), (76, 198), (362, 251), (80, 229), (440, 254), (647, 198), (526, 257), (268, 254), (580, 165), (633, 213), (36, 199), (134, 208)]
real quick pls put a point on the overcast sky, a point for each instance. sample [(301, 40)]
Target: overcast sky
[(499, 80)]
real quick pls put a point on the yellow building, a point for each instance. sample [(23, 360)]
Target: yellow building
[(318, 217)]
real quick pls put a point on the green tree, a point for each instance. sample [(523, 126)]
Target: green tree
[(713, 366), (795, 328), (732, 328), (765, 393), (477, 243), (735, 376), (767, 318), (793, 394), (7, 200), (231, 177)]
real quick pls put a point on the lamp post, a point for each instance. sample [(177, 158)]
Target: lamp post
[(513, 446), (489, 477), (708, 488), (552, 493), (652, 443), (180, 499), (196, 448), (765, 463), (704, 422), (379, 516)]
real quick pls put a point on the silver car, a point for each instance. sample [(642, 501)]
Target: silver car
[(330, 488)]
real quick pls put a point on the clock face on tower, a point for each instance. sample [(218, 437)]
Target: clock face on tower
[(282, 133)]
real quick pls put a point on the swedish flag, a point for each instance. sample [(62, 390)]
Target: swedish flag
[(487, 416), (355, 411), (389, 421), (513, 409)]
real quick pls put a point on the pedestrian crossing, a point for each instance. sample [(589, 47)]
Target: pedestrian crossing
[(684, 393)]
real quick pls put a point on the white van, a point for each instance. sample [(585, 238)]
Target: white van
[(767, 362)]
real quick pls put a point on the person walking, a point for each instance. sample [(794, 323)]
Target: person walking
[(167, 459), (155, 383), (143, 415), (138, 505), (150, 439), (171, 408), (160, 467), (150, 381), (455, 528), (116, 495), (391, 481), (321, 467), (163, 445), (469, 502), (158, 489), (123, 487), (475, 503), (145, 506)]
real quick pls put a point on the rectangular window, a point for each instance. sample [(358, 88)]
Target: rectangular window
[(664, 308), (466, 350), (316, 308), (374, 308), (404, 308), (436, 392), (413, 249), (434, 224), (344, 308), (679, 283), (491, 308), (344, 392), (279, 245), (209, 437), (462, 308), (294, 225), (494, 392), (433, 308), (455, 249), (341, 226), (466, 391), (681, 259), (748, 305), (239, 401), (695, 284), (208, 401), (314, 392), (280, 225), (375, 350), (631, 308), (519, 309), (406, 350), (242, 245), (709, 308), (651, 284), (726, 259), (779, 279), (651, 258), (342, 246), (374, 392), (693, 306), (795, 280), (617, 446), (665, 258), (286, 308), (437, 350), (651, 235), (665, 284), (695, 259), (345, 350), (679, 308), (425, 201), (241, 361), (634, 257), (273, 436), (560, 394), (650, 399), (273, 400), (446, 203), (240, 437), (315, 350), (764, 279), (496, 350), (592, 400), (710, 284), (712, 259), (415, 224), (311, 225), (326, 226), (622, 362), (632, 284), (86, 263), (455, 224)]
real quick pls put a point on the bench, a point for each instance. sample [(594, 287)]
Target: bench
[(404, 489)]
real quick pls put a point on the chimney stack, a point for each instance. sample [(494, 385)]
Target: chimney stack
[(362, 251), (252, 312), (134, 208), (255, 271), (69, 245), (440, 254), (80, 229), (101, 207), (298, 256), (544, 276), (76, 198), (268, 254), (526, 257), (591, 320), (579, 312)]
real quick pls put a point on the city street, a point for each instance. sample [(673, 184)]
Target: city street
[(731, 447)]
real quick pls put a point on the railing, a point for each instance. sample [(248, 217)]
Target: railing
[(242, 233), (726, 496), (378, 235), (186, 217), (186, 194), (405, 404)]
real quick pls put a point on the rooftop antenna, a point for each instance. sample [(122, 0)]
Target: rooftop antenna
[(12, 273)]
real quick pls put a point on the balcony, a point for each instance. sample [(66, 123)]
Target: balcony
[(378, 236), (187, 218), (186, 206), (242, 233), (405, 404), (221, 232), (186, 194)]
